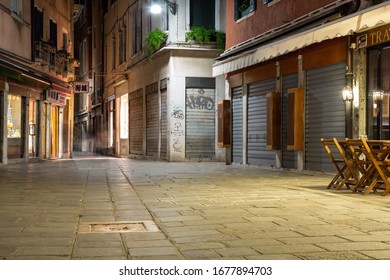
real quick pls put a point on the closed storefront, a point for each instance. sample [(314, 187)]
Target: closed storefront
[(200, 118), (136, 126), (257, 123), (237, 125), (325, 113), (164, 120), (152, 118)]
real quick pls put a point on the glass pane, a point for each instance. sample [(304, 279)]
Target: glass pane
[(14, 116), (124, 117)]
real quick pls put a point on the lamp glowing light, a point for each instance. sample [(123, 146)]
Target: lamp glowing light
[(155, 9), (347, 93)]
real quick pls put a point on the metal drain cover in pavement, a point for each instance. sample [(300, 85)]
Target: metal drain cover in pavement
[(117, 227)]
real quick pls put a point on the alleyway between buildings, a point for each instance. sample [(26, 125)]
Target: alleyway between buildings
[(110, 208)]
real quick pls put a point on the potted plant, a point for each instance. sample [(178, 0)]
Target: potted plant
[(155, 40), (201, 35)]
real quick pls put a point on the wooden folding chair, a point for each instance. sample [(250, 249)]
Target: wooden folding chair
[(368, 178), (350, 174), (379, 153), (340, 179)]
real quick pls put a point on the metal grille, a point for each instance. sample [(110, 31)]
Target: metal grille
[(152, 116), (257, 123), (237, 124), (200, 123), (163, 124), (136, 122), (325, 113)]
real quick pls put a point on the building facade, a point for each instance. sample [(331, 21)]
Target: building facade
[(36, 103), (160, 98), (287, 64)]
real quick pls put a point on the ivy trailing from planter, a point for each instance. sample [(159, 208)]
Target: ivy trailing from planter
[(154, 41)]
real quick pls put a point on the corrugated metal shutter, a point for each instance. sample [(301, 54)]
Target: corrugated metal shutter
[(289, 158), (152, 113), (325, 113), (237, 120), (136, 122), (164, 120), (257, 123), (200, 123)]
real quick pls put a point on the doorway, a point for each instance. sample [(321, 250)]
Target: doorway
[(378, 89)]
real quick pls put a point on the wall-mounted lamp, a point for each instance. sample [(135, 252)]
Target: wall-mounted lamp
[(347, 93), (156, 8), (378, 94)]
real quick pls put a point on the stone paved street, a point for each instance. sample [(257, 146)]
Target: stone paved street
[(57, 209)]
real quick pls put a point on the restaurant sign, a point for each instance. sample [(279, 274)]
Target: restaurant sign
[(81, 87), (56, 97), (374, 37)]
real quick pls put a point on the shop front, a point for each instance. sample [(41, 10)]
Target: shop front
[(374, 52), (21, 114), (56, 123)]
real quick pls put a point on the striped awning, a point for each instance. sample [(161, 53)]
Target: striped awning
[(358, 22)]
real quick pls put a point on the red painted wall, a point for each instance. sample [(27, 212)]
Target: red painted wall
[(266, 18)]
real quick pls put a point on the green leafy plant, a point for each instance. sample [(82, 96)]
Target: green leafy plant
[(155, 40), (202, 35), (221, 40)]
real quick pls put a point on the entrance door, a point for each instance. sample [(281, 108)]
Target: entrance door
[(378, 93), (54, 131), (33, 129)]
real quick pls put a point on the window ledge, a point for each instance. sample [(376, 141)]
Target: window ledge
[(17, 18), (245, 17), (273, 3)]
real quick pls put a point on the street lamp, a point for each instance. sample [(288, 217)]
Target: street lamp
[(347, 94), (156, 8)]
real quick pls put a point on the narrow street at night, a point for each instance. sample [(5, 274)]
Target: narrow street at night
[(117, 209)]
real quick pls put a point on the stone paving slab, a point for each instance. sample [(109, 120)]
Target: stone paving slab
[(203, 210)]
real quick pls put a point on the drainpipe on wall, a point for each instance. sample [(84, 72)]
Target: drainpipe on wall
[(278, 153), (301, 84), (348, 83), (3, 129)]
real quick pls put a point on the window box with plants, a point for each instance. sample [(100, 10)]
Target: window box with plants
[(206, 36), (155, 40)]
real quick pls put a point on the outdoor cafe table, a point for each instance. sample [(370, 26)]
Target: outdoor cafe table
[(363, 164)]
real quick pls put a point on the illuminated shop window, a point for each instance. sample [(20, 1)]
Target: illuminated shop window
[(14, 116), (124, 117)]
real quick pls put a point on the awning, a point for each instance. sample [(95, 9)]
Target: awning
[(357, 22)]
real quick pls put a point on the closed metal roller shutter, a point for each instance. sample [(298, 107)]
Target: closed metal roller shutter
[(200, 123), (136, 122), (325, 113), (152, 113), (164, 120), (257, 123), (237, 124), (289, 158)]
